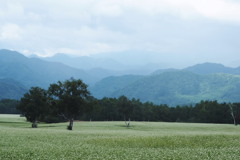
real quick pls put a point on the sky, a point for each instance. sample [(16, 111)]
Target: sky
[(176, 32)]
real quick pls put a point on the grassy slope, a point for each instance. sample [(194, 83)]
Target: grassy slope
[(182, 87), (111, 140)]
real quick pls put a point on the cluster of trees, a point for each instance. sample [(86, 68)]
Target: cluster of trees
[(69, 100), (112, 109), (8, 106), (66, 99)]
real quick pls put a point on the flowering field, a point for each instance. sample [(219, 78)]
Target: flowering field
[(112, 140)]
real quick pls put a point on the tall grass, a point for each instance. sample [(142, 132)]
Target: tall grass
[(112, 140)]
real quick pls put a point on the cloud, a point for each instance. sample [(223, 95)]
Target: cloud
[(224, 10), (86, 27), (10, 32)]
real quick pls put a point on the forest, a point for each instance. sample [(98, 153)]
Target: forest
[(109, 109)]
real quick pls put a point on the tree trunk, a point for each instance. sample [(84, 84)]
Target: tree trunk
[(70, 126), (127, 123), (34, 124), (232, 114)]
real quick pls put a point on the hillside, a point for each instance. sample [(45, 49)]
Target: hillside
[(107, 86), (35, 72), (10, 89), (176, 88)]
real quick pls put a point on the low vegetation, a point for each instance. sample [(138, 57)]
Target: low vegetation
[(111, 140)]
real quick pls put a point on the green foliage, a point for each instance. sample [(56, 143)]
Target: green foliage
[(115, 109), (34, 105), (212, 112), (69, 98), (8, 106), (110, 140)]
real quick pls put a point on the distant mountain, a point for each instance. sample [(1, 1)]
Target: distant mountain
[(99, 73), (35, 72), (210, 68), (160, 71), (104, 66), (174, 88), (86, 62), (11, 89), (204, 68), (138, 58), (206, 81), (107, 86)]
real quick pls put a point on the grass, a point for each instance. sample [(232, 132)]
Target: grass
[(111, 140)]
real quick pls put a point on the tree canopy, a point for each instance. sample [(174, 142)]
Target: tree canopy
[(34, 104), (69, 98)]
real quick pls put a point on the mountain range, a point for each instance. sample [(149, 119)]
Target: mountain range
[(172, 88), (103, 65), (36, 72), (207, 81)]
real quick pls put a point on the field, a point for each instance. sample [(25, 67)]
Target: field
[(112, 140)]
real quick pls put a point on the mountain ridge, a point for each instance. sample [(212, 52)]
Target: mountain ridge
[(206, 81), (35, 72), (179, 88)]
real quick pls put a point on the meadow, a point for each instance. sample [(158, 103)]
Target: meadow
[(112, 140)]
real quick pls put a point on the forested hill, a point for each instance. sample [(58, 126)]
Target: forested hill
[(10, 89), (35, 72), (109, 85), (174, 88)]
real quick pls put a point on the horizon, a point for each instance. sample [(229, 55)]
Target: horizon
[(172, 33), (97, 58)]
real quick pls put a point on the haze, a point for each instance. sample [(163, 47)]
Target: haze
[(172, 33)]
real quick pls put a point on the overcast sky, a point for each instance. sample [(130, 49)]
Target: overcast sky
[(183, 30)]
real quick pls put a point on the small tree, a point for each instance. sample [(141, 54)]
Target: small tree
[(69, 98), (125, 108), (235, 112), (33, 105)]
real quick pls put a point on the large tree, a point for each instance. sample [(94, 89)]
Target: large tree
[(69, 98), (34, 104)]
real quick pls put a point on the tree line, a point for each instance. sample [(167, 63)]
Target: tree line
[(8, 106), (115, 109), (70, 100)]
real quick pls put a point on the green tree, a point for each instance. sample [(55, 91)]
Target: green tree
[(69, 98), (33, 105)]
